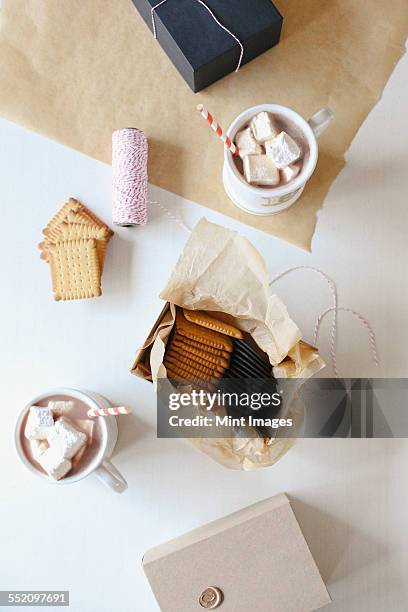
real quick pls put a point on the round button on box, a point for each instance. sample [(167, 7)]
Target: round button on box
[(211, 598)]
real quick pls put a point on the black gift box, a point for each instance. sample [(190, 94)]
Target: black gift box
[(199, 48)]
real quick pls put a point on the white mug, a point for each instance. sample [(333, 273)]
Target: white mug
[(101, 465), (269, 201)]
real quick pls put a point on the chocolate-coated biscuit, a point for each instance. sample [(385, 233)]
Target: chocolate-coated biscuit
[(242, 347), (252, 366)]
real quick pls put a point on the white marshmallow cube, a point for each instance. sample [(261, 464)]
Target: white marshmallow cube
[(247, 144), (54, 463), (66, 438), (87, 426), (261, 170), (39, 422), (38, 448), (263, 127), (283, 150), (290, 172), (77, 458), (60, 407)]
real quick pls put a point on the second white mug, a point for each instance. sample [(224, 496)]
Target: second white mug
[(101, 465)]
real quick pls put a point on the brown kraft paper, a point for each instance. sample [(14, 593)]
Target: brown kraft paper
[(76, 71)]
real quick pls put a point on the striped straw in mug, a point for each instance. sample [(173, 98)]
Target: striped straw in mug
[(218, 129), (113, 411)]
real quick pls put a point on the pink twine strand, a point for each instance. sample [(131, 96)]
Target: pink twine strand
[(363, 320), (333, 291), (335, 309)]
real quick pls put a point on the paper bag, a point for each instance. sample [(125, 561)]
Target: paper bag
[(221, 271)]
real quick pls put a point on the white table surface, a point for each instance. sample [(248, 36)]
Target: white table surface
[(350, 495)]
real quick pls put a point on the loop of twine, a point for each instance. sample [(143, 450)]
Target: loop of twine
[(333, 290), (363, 320), (221, 25), (335, 309)]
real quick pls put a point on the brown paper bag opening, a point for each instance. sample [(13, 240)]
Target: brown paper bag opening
[(220, 271)]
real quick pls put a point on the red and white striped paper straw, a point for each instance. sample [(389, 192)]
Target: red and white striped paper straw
[(218, 129), (113, 411)]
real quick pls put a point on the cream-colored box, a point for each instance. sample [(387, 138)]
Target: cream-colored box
[(257, 558)]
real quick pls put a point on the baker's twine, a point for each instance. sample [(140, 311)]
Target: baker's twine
[(174, 218), (217, 21), (335, 309), (333, 290), (363, 320), (129, 177)]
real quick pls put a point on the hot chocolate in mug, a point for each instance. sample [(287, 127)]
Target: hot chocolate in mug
[(271, 200), (96, 459)]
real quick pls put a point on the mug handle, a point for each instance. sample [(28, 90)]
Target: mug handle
[(320, 121), (111, 477)]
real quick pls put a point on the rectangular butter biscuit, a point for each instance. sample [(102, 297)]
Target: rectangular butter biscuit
[(75, 270)]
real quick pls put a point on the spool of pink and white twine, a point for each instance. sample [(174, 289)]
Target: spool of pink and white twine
[(129, 177), (113, 411)]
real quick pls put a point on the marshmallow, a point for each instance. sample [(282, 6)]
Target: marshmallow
[(290, 172), (260, 170), (263, 127), (38, 448), (77, 458), (64, 437), (283, 150), (39, 422), (54, 463), (60, 407), (247, 144), (87, 426)]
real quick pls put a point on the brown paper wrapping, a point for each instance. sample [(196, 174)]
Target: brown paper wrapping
[(208, 277), (76, 71)]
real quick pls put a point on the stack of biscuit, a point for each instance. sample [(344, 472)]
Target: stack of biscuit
[(199, 351), (74, 246), (206, 353)]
